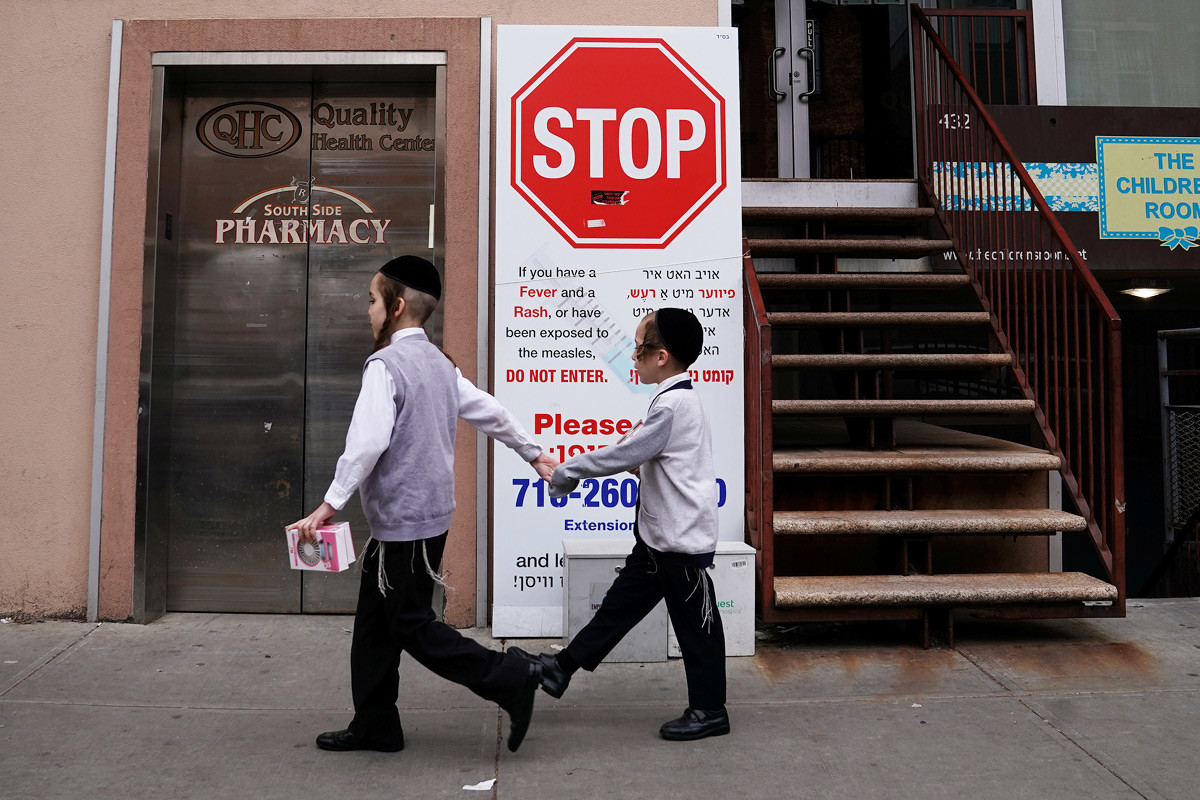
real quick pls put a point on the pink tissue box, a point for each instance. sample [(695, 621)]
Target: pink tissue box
[(332, 552)]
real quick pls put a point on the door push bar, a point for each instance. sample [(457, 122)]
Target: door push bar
[(810, 56), (772, 89)]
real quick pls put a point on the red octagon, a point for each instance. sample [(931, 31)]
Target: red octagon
[(618, 143)]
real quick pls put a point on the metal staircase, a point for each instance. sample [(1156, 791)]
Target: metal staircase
[(896, 471)]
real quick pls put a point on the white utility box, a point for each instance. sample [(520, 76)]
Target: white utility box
[(591, 567), (733, 582)]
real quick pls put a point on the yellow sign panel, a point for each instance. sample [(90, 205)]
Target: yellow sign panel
[(1149, 187)]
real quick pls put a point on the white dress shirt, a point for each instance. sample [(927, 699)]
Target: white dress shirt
[(374, 416)]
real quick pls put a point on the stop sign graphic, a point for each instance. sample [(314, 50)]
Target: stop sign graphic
[(618, 143)]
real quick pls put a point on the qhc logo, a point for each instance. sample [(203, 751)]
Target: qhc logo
[(246, 129), (336, 217)]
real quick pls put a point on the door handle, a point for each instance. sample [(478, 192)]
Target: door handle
[(811, 57), (772, 88)]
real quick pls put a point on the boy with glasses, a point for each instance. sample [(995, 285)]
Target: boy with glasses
[(675, 530)]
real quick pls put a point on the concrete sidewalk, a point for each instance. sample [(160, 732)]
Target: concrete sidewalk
[(227, 706)]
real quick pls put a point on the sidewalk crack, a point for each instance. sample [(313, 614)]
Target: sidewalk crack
[(37, 666), (1099, 757), (1026, 701), (496, 762)]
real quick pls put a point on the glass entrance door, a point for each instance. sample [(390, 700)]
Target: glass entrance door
[(792, 82), (289, 195), (825, 89)]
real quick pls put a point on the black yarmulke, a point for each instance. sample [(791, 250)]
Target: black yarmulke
[(416, 272), (681, 332)]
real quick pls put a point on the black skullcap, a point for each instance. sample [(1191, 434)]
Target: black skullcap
[(681, 332), (416, 272)]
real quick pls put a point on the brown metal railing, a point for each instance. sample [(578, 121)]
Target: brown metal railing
[(994, 49), (759, 458), (1046, 308)]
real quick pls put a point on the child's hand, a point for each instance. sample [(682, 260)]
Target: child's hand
[(544, 466), (560, 484), (307, 527)]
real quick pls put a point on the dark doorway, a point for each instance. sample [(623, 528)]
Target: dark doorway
[(852, 79)]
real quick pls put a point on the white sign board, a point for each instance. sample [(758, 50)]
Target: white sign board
[(617, 192)]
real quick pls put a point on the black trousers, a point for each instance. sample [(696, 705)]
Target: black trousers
[(645, 580), (403, 621)]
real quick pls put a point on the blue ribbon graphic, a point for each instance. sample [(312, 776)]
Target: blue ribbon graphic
[(1179, 237)]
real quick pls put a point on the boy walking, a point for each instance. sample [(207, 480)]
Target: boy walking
[(675, 531), (399, 457)]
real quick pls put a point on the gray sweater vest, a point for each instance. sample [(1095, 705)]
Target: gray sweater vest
[(409, 495)]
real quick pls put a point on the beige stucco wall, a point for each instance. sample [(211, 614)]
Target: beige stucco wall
[(54, 56)]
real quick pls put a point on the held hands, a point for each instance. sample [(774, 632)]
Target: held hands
[(544, 466), (307, 527)]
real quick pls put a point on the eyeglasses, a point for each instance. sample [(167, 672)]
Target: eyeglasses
[(640, 349)]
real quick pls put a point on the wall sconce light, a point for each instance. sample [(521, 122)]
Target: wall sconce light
[(1145, 288)]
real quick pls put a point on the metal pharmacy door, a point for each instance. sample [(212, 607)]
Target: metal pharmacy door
[(792, 80), (289, 197)]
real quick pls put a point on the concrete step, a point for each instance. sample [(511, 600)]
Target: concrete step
[(881, 248), (884, 408), (863, 280), (821, 445), (875, 319), (940, 590), (781, 214), (912, 461), (865, 361), (930, 522)]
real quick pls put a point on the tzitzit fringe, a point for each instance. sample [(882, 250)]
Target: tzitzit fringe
[(438, 578), (384, 585), (706, 606)]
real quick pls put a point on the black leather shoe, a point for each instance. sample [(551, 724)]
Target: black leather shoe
[(520, 709), (349, 740), (696, 724), (554, 679)]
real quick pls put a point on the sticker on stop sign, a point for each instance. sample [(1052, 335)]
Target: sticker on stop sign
[(618, 143)]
